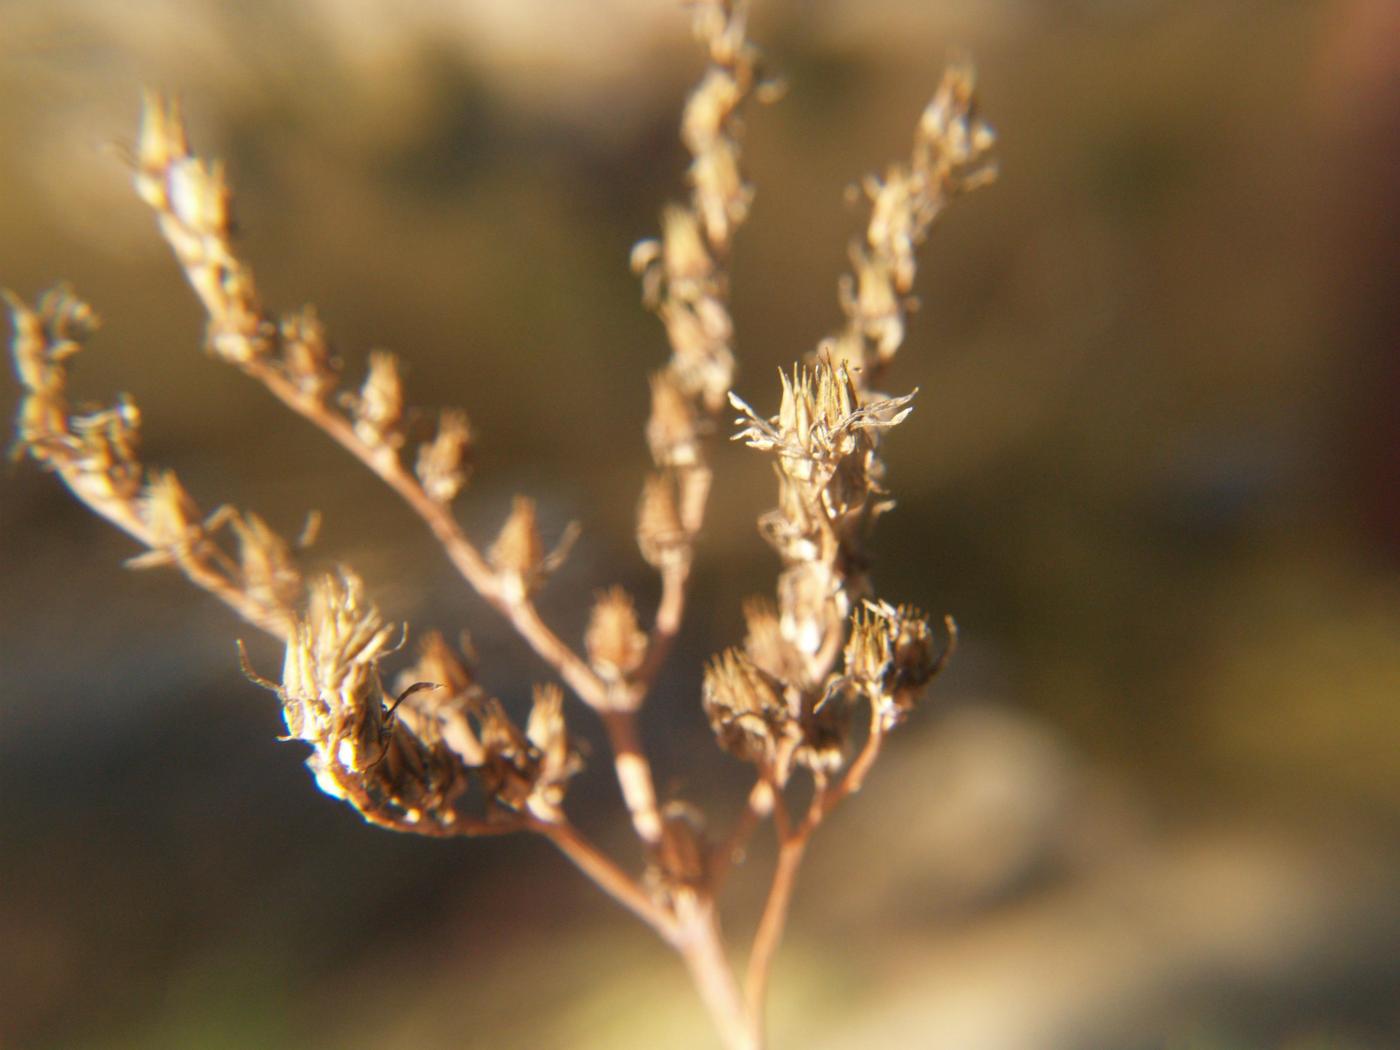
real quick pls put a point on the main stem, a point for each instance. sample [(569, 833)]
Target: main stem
[(702, 947)]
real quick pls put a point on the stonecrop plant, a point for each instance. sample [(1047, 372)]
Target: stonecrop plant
[(826, 669)]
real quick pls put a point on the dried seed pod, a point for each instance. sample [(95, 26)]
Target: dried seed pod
[(557, 760)]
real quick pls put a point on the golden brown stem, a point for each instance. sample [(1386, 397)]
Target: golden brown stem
[(791, 850), (702, 947)]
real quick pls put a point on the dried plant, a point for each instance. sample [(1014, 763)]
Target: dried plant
[(435, 754)]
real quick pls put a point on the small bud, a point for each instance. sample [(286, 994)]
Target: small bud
[(765, 644), (681, 861), (687, 260), (508, 773), (671, 428), (443, 465), (161, 142), (168, 510), (518, 553), (615, 642), (379, 407), (745, 707), (825, 730), (269, 573), (306, 354), (660, 534), (709, 106), (557, 759), (456, 695)]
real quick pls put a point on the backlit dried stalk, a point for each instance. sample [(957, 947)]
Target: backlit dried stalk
[(437, 755)]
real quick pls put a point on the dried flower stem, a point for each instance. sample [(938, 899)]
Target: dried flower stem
[(95, 456), (785, 700), (192, 204)]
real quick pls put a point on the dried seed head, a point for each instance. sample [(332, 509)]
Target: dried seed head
[(331, 694), (518, 553), (825, 731), (508, 774), (660, 534), (891, 656), (556, 760), (268, 572), (720, 190), (687, 261), (680, 862), (440, 664), (877, 309), (765, 644), (868, 648), (168, 510), (671, 429), (709, 109), (378, 410), (103, 451), (615, 641), (306, 353), (954, 145), (161, 141), (444, 463), (820, 421), (456, 695), (745, 707)]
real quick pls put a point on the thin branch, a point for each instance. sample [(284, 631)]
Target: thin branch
[(610, 878), (771, 924)]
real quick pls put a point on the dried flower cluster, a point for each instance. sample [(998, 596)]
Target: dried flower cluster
[(438, 756)]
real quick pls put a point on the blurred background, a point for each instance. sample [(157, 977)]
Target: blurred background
[(1154, 471)]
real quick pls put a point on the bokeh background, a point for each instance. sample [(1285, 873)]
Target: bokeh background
[(1154, 471)]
